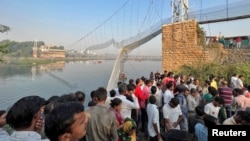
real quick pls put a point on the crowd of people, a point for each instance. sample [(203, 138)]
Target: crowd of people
[(164, 106)]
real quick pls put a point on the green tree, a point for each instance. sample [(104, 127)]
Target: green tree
[(4, 28)]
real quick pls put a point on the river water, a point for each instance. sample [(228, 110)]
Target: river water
[(63, 77)]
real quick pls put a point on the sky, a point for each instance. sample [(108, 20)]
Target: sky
[(76, 24)]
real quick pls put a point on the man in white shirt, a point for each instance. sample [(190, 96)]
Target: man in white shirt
[(213, 107), (172, 114), (153, 119), (168, 94), (127, 105)]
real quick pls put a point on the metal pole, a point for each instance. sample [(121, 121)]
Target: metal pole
[(227, 9), (201, 10)]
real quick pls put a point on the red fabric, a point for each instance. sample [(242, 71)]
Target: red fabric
[(140, 95)]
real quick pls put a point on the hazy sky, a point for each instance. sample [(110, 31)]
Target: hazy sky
[(65, 22)]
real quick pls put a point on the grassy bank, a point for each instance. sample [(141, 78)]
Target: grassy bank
[(203, 71)]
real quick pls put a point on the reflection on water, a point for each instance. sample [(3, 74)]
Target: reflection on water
[(59, 78)]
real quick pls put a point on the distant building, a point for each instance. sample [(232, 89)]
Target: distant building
[(47, 52)]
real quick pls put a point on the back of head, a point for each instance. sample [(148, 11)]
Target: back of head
[(22, 113), (131, 87), (80, 96), (122, 88), (66, 98), (112, 93), (101, 94), (60, 119), (153, 89), (152, 99), (115, 102), (174, 101), (219, 99), (176, 135), (199, 110), (210, 121)]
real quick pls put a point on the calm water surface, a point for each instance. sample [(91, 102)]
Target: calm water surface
[(63, 78)]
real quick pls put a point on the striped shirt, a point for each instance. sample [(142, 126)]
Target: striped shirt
[(226, 93)]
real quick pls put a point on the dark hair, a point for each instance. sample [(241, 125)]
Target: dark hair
[(80, 96), (209, 121), (23, 111), (50, 104), (238, 90), (193, 90), (137, 81), (213, 91), (131, 81), (2, 112), (199, 110), (170, 84), (130, 87), (112, 93), (219, 100), (115, 102), (60, 119), (92, 94), (153, 89), (176, 135), (122, 88), (67, 97), (152, 99), (174, 101), (101, 94)]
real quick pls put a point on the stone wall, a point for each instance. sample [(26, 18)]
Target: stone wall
[(179, 46)]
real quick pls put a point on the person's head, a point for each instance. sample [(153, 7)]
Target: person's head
[(131, 88), (224, 83), (66, 121), (50, 103), (116, 104), (129, 126), (93, 95), (173, 102), (159, 84), (101, 94), (148, 82), (67, 97), (139, 81), (218, 101), (131, 81), (112, 93), (94, 99), (209, 121), (2, 118), (237, 91), (24, 113), (152, 99), (122, 89), (200, 110), (242, 117), (153, 89), (170, 86), (213, 91), (176, 135), (80, 96), (193, 92), (196, 82)]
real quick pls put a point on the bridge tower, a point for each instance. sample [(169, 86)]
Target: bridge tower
[(179, 10), (35, 49)]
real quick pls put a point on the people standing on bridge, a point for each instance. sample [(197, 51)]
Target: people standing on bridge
[(238, 42)]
